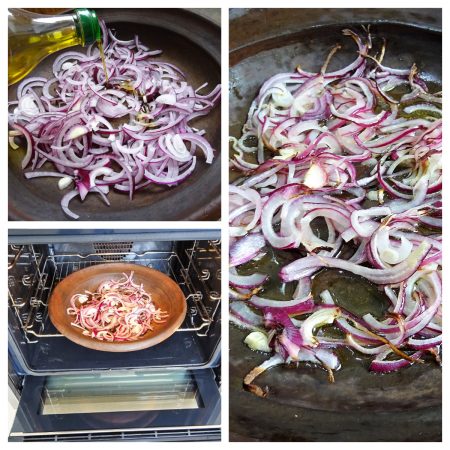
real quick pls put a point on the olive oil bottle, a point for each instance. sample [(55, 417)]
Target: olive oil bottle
[(31, 37)]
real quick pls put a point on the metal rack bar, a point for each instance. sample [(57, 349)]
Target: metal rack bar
[(33, 312), (196, 255), (15, 257)]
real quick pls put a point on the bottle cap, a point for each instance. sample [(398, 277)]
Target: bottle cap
[(89, 27)]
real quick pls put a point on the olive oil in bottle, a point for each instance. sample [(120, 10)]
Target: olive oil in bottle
[(31, 37)]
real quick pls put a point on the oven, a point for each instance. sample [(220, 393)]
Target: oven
[(66, 392)]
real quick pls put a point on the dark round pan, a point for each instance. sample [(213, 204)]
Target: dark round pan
[(302, 405), (193, 44), (166, 294)]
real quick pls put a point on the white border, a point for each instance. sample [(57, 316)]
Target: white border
[(224, 4)]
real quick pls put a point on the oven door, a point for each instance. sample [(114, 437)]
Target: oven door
[(147, 405)]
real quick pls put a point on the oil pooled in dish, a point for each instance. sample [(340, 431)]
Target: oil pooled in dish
[(357, 151)]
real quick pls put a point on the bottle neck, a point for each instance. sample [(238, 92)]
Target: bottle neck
[(88, 26)]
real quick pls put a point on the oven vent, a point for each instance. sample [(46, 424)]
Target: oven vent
[(182, 435), (113, 251)]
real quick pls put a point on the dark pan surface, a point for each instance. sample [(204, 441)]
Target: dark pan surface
[(193, 44), (302, 405)]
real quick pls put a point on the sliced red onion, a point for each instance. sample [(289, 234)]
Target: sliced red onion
[(247, 281), (296, 306), (425, 344), (392, 366), (29, 154), (243, 316), (320, 147), (38, 174), (366, 228), (66, 119), (400, 272), (118, 311), (246, 249), (244, 200), (65, 203), (321, 356), (319, 318)]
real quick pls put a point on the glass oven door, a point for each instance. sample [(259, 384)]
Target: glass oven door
[(117, 402)]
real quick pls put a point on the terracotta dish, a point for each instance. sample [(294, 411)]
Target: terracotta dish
[(165, 293)]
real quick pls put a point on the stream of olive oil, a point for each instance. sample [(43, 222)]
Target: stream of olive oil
[(102, 56)]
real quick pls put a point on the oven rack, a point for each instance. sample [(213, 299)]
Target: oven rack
[(50, 269), (206, 264)]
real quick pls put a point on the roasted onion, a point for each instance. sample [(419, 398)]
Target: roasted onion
[(351, 151)]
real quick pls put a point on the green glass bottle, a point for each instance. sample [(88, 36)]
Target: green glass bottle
[(31, 37)]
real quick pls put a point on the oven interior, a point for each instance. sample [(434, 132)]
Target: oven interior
[(35, 346)]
